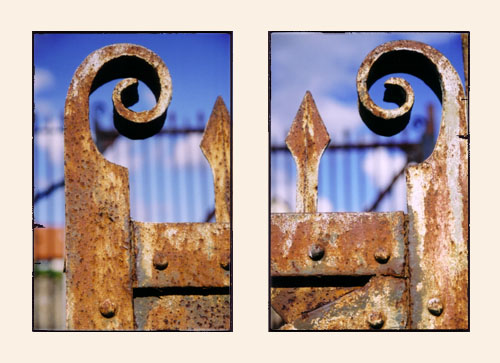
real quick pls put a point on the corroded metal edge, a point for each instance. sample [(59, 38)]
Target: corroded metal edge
[(381, 304), (216, 146), (307, 140), (97, 232), (437, 188), (182, 254), (292, 303), (183, 312), (352, 244)]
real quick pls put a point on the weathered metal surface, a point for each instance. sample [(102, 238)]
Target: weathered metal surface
[(98, 257), (381, 304), (216, 148), (183, 312), (437, 189), (465, 51), (292, 303), (182, 254), (353, 244), (307, 139)]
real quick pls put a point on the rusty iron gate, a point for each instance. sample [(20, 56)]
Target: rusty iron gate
[(360, 271), (124, 274)]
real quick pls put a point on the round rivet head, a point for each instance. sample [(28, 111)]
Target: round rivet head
[(382, 255), (107, 308), (435, 306), (376, 320), (316, 252), (160, 261)]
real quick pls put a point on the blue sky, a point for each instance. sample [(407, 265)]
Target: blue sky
[(199, 65), (327, 64)]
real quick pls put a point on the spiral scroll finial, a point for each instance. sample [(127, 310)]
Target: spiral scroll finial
[(415, 58), (133, 63)]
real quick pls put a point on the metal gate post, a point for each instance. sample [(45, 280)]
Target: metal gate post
[(108, 255), (437, 188)]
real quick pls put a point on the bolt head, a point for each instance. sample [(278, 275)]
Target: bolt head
[(160, 261), (435, 306), (382, 255), (107, 308), (376, 320), (316, 252)]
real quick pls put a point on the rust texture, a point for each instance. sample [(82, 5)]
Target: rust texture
[(183, 312), (465, 51), (381, 304), (216, 148), (352, 244), (292, 303), (187, 254), (98, 238), (306, 140), (437, 189)]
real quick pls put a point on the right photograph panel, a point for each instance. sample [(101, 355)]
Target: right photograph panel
[(369, 169)]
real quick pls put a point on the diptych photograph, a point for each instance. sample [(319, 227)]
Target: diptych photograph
[(368, 176)]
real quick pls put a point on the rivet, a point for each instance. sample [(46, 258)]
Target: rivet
[(376, 320), (382, 255), (225, 265), (107, 308), (316, 252), (435, 306), (160, 261)]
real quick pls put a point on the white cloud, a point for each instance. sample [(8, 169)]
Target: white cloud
[(326, 65), (338, 118), (44, 79), (51, 140)]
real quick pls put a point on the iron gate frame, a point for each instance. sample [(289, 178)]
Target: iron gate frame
[(437, 298)]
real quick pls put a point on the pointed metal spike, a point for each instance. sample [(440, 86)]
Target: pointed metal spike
[(306, 140), (215, 145)]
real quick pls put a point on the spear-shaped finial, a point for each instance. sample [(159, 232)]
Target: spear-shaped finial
[(306, 140), (216, 148)]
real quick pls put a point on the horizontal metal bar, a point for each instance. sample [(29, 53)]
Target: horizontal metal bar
[(354, 244), (181, 312), (182, 254)]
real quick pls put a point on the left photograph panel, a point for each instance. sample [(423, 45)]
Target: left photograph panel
[(132, 181)]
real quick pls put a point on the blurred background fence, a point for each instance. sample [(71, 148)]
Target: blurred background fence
[(365, 172)]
